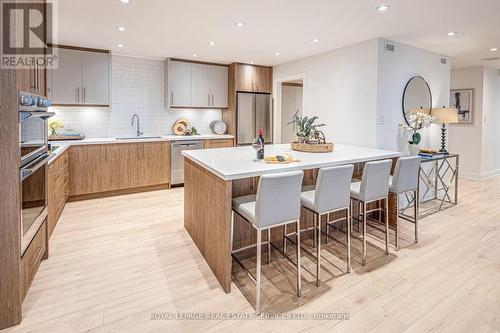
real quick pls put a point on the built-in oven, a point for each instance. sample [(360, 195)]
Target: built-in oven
[(34, 196), (34, 154)]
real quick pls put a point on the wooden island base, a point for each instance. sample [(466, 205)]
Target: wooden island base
[(207, 216)]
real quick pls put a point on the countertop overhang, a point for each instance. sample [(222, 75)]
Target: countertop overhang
[(240, 162), (63, 145)]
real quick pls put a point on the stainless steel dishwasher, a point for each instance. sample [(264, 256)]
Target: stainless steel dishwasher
[(177, 160)]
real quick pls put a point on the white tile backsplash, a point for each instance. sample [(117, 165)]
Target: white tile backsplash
[(137, 87)]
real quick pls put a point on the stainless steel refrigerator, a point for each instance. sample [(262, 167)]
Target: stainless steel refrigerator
[(253, 111)]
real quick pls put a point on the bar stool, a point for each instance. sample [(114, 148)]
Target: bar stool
[(276, 203), (374, 186), (404, 180), (331, 194)]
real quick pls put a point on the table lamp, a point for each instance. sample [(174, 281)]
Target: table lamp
[(444, 116)]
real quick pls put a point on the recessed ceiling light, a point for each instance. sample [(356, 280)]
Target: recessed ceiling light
[(277, 53), (382, 8), (315, 40), (251, 62), (195, 55), (211, 43), (121, 29), (240, 24), (125, 1), (494, 49), (451, 33), (120, 45)]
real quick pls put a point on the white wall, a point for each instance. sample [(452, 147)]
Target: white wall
[(490, 153), (394, 71), (339, 88), (466, 139), (478, 143), (137, 87), (357, 90)]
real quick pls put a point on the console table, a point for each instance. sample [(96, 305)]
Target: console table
[(438, 185)]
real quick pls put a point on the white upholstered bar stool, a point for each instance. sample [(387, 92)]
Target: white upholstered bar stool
[(374, 186), (276, 203), (405, 180), (331, 194)]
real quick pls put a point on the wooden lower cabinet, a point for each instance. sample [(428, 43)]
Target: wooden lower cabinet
[(218, 143), (120, 166), (32, 257), (58, 189)]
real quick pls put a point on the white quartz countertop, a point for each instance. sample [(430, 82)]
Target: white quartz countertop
[(63, 145), (240, 162)]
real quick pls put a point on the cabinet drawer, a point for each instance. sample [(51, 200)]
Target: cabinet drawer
[(218, 143), (31, 259)]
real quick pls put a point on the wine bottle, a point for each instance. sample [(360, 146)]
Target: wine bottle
[(260, 144)]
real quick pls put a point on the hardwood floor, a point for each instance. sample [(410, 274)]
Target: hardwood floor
[(114, 261)]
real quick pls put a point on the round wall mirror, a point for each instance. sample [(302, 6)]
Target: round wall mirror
[(417, 95)]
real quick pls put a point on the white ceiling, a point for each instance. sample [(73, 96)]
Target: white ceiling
[(181, 28)]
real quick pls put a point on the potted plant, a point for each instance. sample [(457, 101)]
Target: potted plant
[(305, 127), (417, 120)]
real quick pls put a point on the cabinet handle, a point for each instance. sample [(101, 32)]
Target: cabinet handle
[(208, 99), (38, 71), (36, 76), (212, 99), (77, 99), (172, 98), (84, 95)]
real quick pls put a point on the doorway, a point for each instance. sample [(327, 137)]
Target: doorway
[(292, 96)]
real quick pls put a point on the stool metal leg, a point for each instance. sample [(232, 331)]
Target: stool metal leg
[(359, 214), (386, 211), (232, 230), (257, 280), (327, 228), (348, 232), (416, 193), (352, 210), (299, 275), (315, 225), (284, 240), (268, 246), (364, 233), (396, 239), (318, 248)]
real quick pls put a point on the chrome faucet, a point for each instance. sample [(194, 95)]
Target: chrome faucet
[(139, 133)]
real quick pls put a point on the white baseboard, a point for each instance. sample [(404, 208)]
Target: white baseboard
[(479, 177)]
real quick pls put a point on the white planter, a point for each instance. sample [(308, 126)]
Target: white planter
[(413, 150)]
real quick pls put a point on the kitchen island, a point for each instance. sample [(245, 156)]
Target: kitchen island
[(213, 177)]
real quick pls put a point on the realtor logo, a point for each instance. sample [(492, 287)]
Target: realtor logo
[(27, 27)]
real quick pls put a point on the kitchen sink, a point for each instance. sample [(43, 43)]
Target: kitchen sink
[(139, 137)]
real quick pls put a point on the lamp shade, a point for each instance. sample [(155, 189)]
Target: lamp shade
[(445, 115), (421, 110)]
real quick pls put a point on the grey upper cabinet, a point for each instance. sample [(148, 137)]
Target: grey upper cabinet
[(64, 83), (218, 85), (82, 78), (95, 78), (200, 86), (180, 84), (196, 85)]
